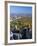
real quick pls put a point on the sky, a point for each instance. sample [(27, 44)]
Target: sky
[(20, 10)]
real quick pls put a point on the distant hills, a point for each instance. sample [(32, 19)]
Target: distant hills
[(19, 16), (24, 19)]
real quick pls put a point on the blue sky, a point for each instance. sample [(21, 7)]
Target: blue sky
[(20, 10)]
